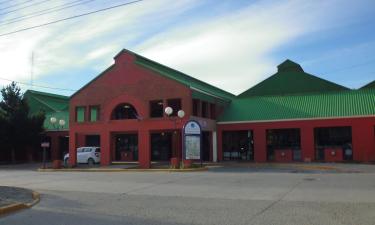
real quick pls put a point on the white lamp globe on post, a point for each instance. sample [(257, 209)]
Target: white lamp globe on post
[(168, 110), (53, 120), (62, 122), (181, 113)]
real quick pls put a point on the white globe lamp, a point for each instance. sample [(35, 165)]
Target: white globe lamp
[(53, 120), (62, 122), (168, 110), (181, 113)]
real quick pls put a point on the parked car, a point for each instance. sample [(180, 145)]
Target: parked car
[(89, 155)]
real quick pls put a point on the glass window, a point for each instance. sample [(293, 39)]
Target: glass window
[(94, 113), (80, 114), (195, 107), (175, 104), (212, 111), (204, 109), (156, 108), (124, 111)]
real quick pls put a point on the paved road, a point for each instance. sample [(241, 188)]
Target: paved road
[(233, 196)]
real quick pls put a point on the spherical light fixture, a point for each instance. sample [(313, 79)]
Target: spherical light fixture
[(181, 113), (62, 122), (168, 110), (53, 120)]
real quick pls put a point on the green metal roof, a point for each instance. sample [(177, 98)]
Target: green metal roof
[(51, 104), (302, 106), (182, 78), (205, 89), (369, 85), (291, 79)]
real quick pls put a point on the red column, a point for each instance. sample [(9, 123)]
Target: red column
[(144, 149), (105, 148), (219, 140), (307, 144), (55, 148), (72, 149), (260, 148), (363, 141), (211, 146)]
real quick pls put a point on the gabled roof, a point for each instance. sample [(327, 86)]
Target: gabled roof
[(337, 104), (291, 79), (46, 101), (182, 78), (51, 104), (191, 82), (369, 85)]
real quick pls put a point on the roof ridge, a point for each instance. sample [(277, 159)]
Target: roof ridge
[(48, 94), (177, 71)]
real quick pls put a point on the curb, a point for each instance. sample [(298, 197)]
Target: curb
[(125, 170), (14, 207)]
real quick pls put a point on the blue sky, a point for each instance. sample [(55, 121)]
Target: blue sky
[(230, 44)]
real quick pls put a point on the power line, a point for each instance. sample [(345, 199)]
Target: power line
[(11, 6), (45, 11), (34, 85), (15, 10), (71, 17)]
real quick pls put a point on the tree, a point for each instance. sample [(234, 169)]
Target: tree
[(18, 129)]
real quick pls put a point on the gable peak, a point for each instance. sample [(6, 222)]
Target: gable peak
[(289, 66)]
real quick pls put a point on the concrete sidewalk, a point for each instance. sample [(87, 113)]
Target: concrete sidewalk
[(14, 198)]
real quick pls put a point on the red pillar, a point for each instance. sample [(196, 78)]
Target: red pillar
[(211, 147), (363, 142), (307, 144), (105, 148), (219, 140), (55, 148), (260, 148), (72, 149), (144, 149)]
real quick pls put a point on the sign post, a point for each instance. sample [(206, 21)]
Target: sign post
[(192, 141), (44, 145)]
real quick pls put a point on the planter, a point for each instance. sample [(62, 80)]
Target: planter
[(175, 163), (56, 164), (187, 163), (283, 155), (333, 154)]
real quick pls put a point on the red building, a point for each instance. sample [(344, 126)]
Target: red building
[(291, 116)]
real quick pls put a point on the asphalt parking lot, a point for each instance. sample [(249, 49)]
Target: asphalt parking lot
[(222, 195)]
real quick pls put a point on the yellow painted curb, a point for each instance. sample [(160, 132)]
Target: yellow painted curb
[(124, 170), (12, 208), (18, 206)]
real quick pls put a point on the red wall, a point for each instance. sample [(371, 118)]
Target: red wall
[(126, 82), (363, 136)]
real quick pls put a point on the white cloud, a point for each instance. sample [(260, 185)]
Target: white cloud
[(232, 50)]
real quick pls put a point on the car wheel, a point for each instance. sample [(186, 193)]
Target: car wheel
[(90, 161)]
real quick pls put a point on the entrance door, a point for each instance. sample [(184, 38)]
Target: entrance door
[(126, 147), (161, 146), (238, 145), (63, 146)]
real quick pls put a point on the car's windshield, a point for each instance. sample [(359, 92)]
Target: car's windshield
[(97, 150)]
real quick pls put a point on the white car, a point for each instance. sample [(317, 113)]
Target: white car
[(89, 155)]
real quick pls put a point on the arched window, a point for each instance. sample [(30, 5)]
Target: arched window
[(124, 111)]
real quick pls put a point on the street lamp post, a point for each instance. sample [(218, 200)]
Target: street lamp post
[(180, 114), (53, 121)]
